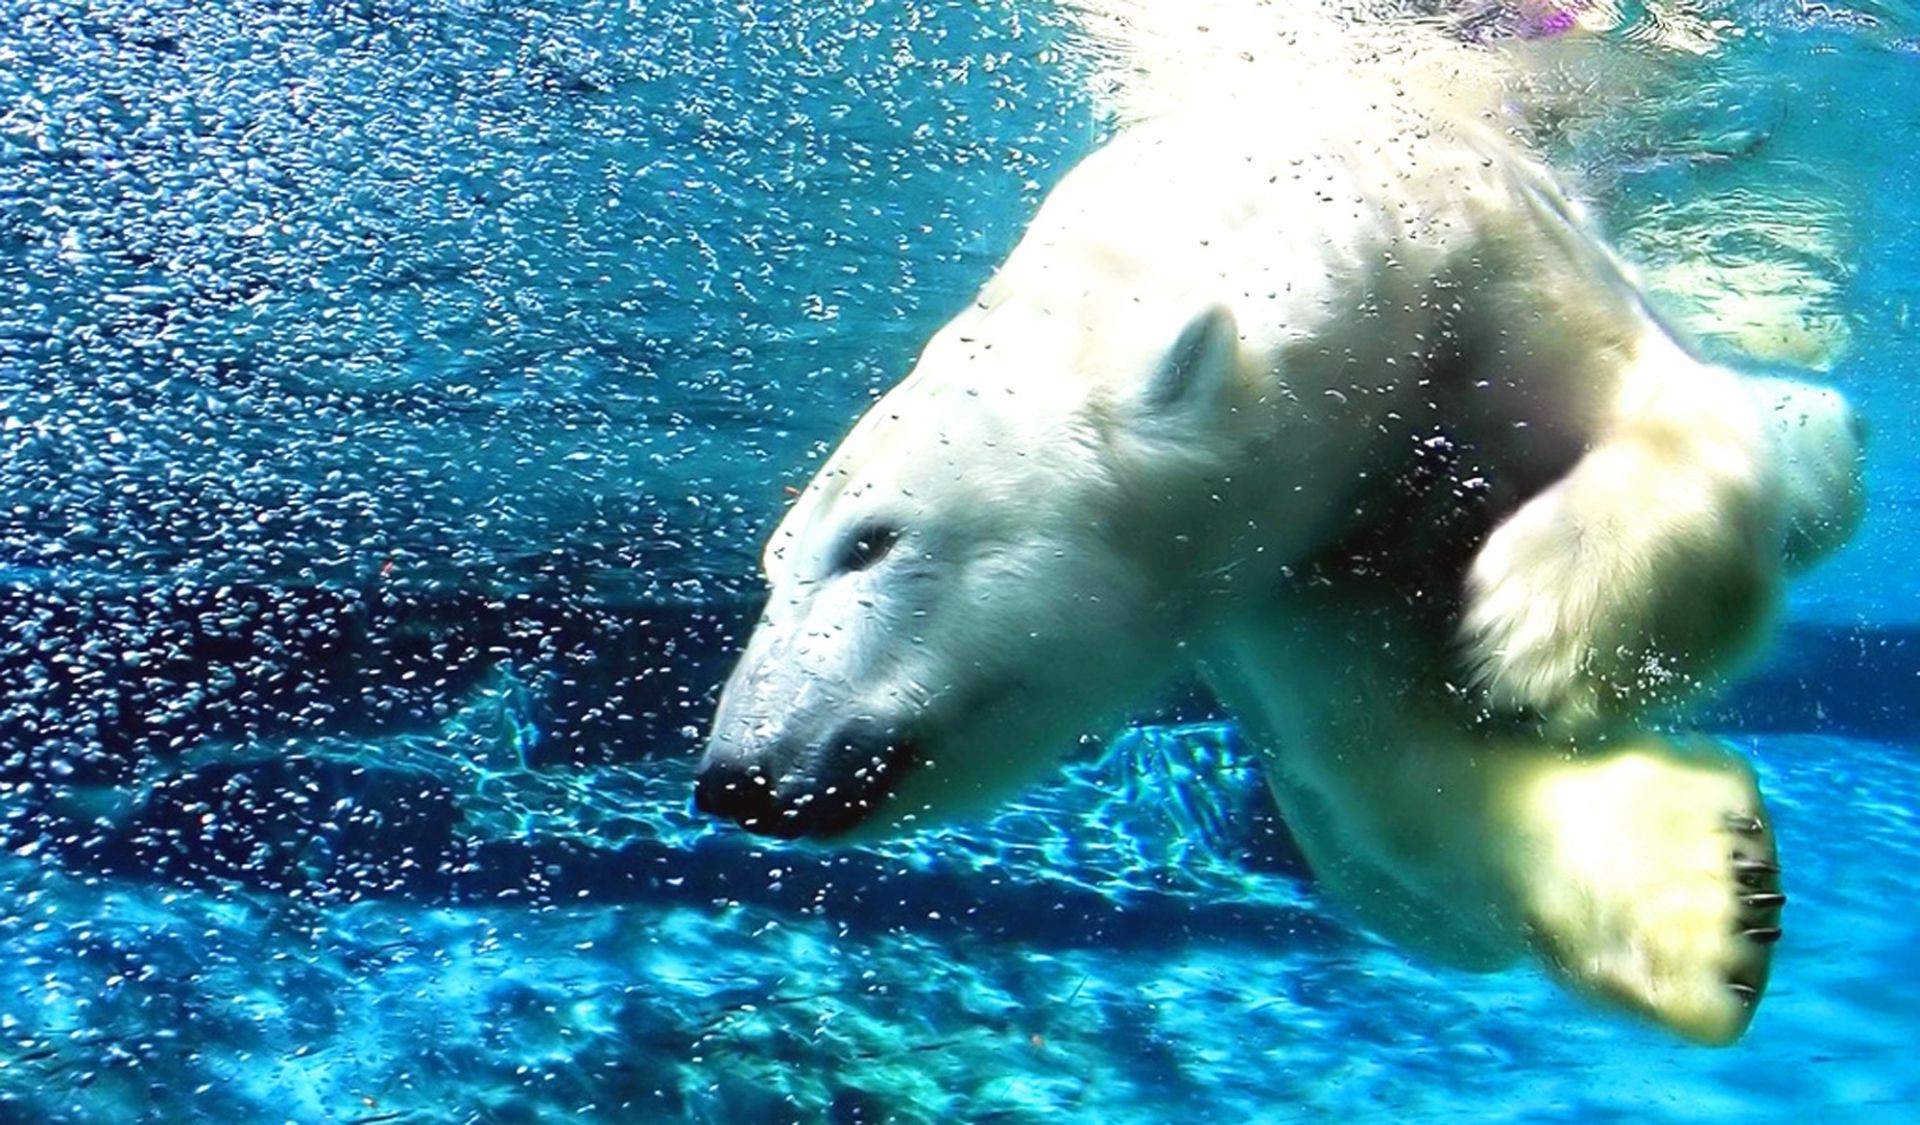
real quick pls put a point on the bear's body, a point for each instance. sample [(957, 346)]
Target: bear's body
[(1353, 414)]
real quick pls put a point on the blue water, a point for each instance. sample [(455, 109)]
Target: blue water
[(392, 398)]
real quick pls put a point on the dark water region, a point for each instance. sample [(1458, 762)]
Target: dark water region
[(392, 399), (519, 688)]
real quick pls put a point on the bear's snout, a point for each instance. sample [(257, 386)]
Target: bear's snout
[(792, 790)]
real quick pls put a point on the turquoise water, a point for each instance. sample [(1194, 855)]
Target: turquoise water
[(392, 398)]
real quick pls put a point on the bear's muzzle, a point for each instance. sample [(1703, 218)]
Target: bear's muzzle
[(792, 789)]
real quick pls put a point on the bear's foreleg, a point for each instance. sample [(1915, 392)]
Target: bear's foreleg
[(1645, 575)]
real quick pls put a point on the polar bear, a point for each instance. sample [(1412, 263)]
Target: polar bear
[(1331, 395)]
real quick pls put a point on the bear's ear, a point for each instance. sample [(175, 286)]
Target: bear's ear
[(1196, 371)]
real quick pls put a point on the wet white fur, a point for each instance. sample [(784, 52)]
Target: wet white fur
[(1200, 372)]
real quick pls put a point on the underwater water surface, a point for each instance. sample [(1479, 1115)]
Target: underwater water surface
[(393, 396)]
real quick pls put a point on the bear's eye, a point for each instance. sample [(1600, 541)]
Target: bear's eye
[(864, 546)]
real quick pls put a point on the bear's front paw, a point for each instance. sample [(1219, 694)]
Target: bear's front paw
[(1628, 587)]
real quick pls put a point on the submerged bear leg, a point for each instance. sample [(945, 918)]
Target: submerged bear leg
[(1392, 809), (1641, 872)]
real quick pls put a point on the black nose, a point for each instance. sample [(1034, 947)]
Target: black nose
[(827, 789), (738, 791)]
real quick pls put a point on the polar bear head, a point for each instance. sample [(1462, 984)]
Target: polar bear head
[(999, 556)]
